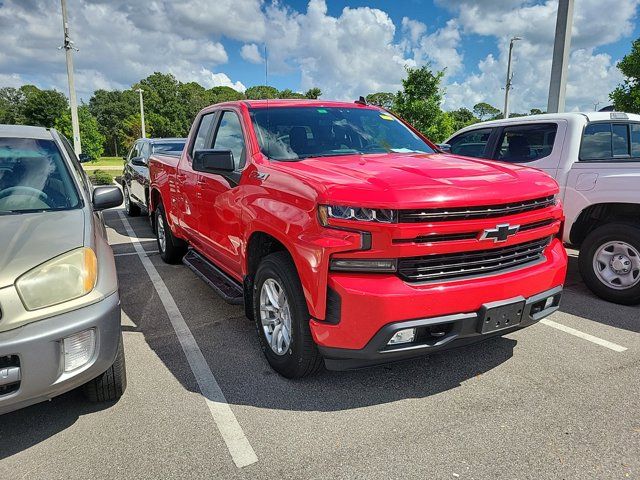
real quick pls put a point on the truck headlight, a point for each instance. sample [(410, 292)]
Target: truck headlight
[(63, 278), (381, 215)]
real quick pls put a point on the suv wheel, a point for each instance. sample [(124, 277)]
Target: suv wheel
[(111, 384), (171, 249), (282, 318), (132, 209), (609, 262)]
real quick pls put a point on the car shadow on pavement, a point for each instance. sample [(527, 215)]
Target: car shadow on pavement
[(29, 426), (578, 300)]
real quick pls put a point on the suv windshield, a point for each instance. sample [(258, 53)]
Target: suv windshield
[(34, 177), (293, 133)]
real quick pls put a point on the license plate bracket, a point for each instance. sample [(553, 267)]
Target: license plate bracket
[(495, 317)]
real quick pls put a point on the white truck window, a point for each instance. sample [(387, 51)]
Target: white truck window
[(525, 143), (471, 144), (605, 141)]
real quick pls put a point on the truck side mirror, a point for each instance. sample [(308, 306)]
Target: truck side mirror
[(213, 161)]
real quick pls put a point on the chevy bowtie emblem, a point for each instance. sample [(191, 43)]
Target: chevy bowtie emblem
[(501, 233)]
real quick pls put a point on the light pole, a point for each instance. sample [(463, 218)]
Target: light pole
[(507, 86), (139, 90), (68, 47), (560, 65)]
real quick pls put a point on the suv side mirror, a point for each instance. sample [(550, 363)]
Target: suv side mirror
[(444, 147), (213, 161), (106, 197), (83, 157), (139, 161)]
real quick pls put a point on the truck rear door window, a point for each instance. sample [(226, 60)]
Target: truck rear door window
[(526, 143), (609, 141)]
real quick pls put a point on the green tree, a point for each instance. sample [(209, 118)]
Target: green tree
[(131, 129), (110, 108), (313, 93), (91, 139), (462, 118), (11, 106), (260, 92), (162, 99), (419, 103), (484, 111), (381, 99), (535, 111), (42, 107), (288, 93), (626, 96), (224, 94)]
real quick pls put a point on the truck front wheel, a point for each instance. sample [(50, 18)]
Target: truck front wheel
[(282, 318), (609, 263), (171, 249)]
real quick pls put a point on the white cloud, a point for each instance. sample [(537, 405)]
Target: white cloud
[(251, 53), (439, 48)]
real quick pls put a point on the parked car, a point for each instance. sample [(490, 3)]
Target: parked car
[(59, 303), (348, 238), (595, 157), (135, 176)]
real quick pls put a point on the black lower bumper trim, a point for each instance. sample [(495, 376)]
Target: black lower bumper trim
[(437, 334)]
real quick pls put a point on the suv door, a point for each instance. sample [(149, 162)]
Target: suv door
[(537, 145), (140, 173), (220, 222)]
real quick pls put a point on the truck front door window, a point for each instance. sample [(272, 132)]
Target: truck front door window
[(229, 137), (471, 144)]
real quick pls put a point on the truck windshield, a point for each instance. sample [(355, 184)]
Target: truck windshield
[(34, 177), (294, 133)]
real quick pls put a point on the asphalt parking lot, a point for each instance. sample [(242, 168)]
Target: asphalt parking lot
[(559, 400)]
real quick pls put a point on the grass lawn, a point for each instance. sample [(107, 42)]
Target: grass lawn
[(106, 162)]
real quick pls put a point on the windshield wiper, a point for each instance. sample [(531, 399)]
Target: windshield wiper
[(330, 154)]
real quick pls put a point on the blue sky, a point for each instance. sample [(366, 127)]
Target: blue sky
[(347, 48)]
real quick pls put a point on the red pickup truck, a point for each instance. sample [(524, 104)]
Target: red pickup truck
[(351, 239)]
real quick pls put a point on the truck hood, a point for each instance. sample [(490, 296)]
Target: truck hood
[(29, 239), (400, 180)]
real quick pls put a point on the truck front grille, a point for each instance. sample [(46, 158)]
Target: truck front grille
[(463, 213), (451, 266)]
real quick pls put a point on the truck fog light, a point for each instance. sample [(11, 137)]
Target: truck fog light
[(403, 336), (78, 349), (549, 302)]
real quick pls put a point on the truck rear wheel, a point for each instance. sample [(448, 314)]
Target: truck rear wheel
[(282, 318), (609, 263), (171, 249)]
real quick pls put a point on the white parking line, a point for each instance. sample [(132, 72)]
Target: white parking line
[(239, 447), (134, 253), (572, 331)]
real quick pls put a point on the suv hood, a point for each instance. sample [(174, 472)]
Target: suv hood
[(419, 180), (29, 239)]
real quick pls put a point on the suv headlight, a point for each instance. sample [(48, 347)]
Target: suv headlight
[(63, 278), (361, 214)]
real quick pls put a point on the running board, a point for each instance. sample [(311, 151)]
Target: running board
[(225, 286)]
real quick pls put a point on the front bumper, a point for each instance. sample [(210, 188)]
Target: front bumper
[(453, 331), (37, 348)]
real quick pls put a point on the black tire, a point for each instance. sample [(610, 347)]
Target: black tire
[(174, 248), (622, 232), (302, 357), (111, 384), (132, 208)]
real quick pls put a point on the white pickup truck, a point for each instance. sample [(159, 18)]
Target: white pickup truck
[(595, 157)]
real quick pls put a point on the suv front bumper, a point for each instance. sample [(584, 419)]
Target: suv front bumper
[(37, 347)]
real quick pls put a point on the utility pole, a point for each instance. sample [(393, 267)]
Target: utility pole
[(560, 65), (73, 103), (139, 90), (507, 86)]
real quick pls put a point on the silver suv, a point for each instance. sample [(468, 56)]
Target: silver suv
[(59, 303)]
